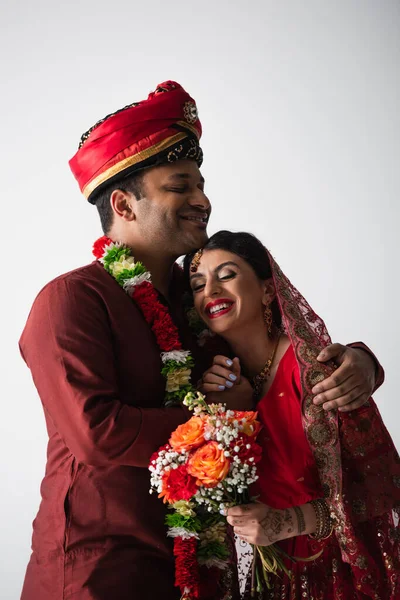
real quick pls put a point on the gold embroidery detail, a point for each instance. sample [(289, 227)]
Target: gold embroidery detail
[(190, 112), (321, 434), (190, 127)]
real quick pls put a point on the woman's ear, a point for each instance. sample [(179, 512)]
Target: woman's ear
[(268, 291)]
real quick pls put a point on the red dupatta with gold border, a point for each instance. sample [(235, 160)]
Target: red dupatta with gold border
[(358, 465)]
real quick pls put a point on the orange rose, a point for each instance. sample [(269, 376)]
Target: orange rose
[(189, 435), (209, 465), (252, 426)]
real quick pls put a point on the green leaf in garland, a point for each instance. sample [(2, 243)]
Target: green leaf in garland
[(179, 395), (138, 269), (117, 254), (212, 549), (173, 365), (188, 523)]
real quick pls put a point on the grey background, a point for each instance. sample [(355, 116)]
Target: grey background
[(300, 107)]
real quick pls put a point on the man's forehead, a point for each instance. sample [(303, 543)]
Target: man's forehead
[(181, 170), (185, 175)]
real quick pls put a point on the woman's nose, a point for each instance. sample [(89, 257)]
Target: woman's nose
[(213, 289)]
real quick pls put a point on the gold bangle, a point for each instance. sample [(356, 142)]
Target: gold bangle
[(324, 526), (301, 524)]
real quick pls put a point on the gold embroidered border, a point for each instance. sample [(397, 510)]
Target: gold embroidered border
[(132, 160), (321, 427), (187, 125)]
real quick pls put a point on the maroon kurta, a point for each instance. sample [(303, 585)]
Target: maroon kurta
[(98, 533)]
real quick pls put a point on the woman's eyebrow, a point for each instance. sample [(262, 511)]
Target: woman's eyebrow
[(225, 264)]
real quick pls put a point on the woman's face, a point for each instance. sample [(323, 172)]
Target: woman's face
[(227, 293)]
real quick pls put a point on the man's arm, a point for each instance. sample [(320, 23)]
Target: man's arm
[(68, 346), (358, 375)]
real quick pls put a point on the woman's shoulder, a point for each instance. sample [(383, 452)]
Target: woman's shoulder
[(285, 356)]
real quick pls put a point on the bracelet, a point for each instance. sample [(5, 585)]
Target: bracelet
[(324, 522), (301, 524)]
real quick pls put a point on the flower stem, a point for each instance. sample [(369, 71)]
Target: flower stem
[(253, 572)]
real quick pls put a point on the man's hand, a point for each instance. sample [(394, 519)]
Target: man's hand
[(351, 385), (224, 377)]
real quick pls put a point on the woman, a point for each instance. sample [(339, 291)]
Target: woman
[(329, 481)]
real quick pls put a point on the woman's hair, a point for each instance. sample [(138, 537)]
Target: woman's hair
[(250, 249)]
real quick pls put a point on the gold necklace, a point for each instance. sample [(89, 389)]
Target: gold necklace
[(265, 372)]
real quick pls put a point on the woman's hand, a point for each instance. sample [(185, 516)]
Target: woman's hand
[(224, 376), (263, 525)]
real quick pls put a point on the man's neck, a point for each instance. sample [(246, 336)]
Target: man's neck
[(161, 269), (160, 264)]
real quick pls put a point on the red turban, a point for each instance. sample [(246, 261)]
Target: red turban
[(161, 129)]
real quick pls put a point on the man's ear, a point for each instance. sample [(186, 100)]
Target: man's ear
[(122, 204), (269, 292)]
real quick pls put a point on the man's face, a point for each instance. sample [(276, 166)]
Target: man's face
[(173, 212)]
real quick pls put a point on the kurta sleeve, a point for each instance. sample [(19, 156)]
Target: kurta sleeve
[(379, 372), (67, 343)]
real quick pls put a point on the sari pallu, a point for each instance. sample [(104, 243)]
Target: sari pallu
[(358, 465)]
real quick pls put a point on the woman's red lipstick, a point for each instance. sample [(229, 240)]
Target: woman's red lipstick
[(218, 307)]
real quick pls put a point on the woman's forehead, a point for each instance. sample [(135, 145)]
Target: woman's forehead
[(213, 259)]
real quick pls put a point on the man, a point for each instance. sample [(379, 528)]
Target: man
[(96, 365)]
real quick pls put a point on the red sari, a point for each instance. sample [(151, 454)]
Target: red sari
[(288, 477)]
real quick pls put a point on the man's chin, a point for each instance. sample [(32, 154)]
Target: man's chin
[(197, 241), (191, 243)]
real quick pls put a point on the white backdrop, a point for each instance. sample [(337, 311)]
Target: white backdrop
[(300, 107)]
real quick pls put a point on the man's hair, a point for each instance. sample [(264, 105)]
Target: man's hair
[(131, 183)]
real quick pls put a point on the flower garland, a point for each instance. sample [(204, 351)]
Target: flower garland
[(135, 279)]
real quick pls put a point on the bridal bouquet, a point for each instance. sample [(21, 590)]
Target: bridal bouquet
[(207, 466)]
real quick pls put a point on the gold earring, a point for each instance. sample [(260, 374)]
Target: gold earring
[(268, 319)]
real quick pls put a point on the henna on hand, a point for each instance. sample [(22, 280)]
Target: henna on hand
[(288, 518), (263, 525), (273, 524)]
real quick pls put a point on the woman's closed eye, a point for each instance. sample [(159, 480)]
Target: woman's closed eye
[(226, 275), (223, 276), (198, 287)]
